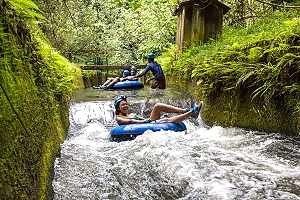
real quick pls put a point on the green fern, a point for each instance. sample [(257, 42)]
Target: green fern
[(27, 10), (275, 52)]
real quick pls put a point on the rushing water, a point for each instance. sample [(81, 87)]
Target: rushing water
[(202, 163)]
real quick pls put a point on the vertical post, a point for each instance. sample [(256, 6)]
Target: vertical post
[(106, 60), (100, 77), (70, 57), (97, 60)]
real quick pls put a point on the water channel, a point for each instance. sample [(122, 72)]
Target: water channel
[(202, 163)]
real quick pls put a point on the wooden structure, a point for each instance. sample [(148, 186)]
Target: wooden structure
[(198, 21)]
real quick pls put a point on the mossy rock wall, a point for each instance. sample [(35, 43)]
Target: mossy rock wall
[(237, 108), (35, 89)]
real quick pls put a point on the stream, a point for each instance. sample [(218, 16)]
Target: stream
[(202, 163)]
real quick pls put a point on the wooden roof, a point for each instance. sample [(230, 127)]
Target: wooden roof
[(183, 3)]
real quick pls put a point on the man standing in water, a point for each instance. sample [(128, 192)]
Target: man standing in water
[(159, 81)]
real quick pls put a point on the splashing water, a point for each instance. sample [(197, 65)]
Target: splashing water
[(202, 163)]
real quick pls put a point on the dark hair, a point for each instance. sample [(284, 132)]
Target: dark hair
[(117, 109), (151, 59), (117, 103)]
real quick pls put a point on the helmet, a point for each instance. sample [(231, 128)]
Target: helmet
[(150, 55), (133, 68), (126, 72), (119, 99)]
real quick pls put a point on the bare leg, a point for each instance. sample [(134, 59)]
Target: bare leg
[(108, 81), (117, 79), (176, 119), (160, 107)]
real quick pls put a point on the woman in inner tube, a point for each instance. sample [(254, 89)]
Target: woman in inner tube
[(123, 117)]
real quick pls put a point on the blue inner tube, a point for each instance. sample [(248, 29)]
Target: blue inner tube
[(128, 85), (131, 131)]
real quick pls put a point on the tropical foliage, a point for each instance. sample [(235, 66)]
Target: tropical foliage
[(259, 49), (125, 31), (264, 56), (243, 13)]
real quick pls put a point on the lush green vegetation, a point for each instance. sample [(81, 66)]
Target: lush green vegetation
[(262, 59), (36, 86), (125, 31), (256, 59), (267, 50)]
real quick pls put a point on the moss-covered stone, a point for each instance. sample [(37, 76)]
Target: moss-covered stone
[(237, 108), (35, 89)]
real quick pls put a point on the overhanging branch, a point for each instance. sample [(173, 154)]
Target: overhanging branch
[(277, 5)]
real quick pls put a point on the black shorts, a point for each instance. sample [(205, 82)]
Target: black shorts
[(158, 84)]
